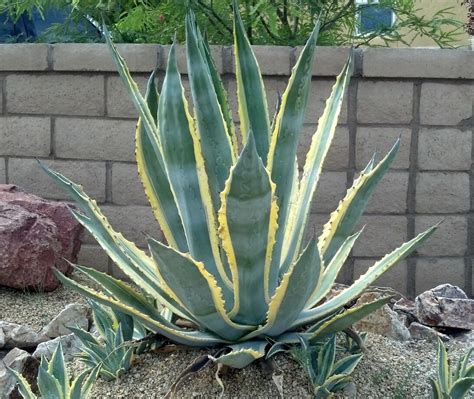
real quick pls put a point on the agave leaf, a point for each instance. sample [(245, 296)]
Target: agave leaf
[(436, 391), (140, 103), (23, 385), (372, 274), (444, 372), (197, 290), (130, 297), (152, 172), (243, 354), (48, 385), (337, 382), (345, 218), (82, 385), (185, 167), (318, 150), (156, 324), (347, 364), (284, 142), (248, 222), (463, 369), (221, 96), (461, 387), (332, 270), (326, 357), (348, 318), (57, 368), (216, 145), (292, 293), (253, 108)]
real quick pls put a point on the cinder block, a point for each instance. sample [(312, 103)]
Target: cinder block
[(320, 92), (444, 149), (119, 103), (24, 57), (55, 94), (396, 277), (273, 60), (431, 272), (328, 61), (413, 62), (380, 140), (332, 187), (338, 154), (96, 139), (442, 192), (384, 102), (3, 177), (390, 196), (127, 188), (134, 222), (445, 104), (25, 136), (382, 234), (216, 53), (449, 240), (27, 174), (97, 57), (93, 256)]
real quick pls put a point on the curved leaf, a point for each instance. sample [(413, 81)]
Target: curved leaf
[(253, 108), (23, 385), (461, 387), (248, 221), (197, 289), (153, 176), (243, 354)]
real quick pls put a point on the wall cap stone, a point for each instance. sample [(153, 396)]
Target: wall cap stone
[(24, 57)]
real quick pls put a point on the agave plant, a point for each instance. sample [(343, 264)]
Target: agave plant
[(326, 375), (449, 384), (235, 263), (112, 349), (54, 381)]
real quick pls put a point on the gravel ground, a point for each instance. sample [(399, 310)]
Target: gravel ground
[(390, 369)]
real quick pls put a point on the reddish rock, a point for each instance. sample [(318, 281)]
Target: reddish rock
[(35, 235)]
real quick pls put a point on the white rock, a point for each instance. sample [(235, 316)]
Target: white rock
[(14, 335), (73, 315), (70, 344)]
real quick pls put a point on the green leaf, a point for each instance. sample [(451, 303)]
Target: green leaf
[(82, 385), (319, 148), (57, 368), (152, 172), (243, 354), (444, 372), (156, 324), (347, 215), (248, 222), (253, 108), (284, 142), (372, 274), (216, 146), (348, 317), (326, 356), (23, 385), (347, 364), (435, 389), (461, 387), (48, 385), (197, 290), (185, 167)]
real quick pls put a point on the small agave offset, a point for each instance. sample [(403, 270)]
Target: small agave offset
[(235, 265)]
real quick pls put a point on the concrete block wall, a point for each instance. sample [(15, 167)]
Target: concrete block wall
[(65, 105)]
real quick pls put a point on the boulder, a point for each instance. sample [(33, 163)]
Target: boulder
[(70, 344), (445, 306), (419, 331), (21, 361), (73, 315), (14, 335), (35, 235), (383, 321)]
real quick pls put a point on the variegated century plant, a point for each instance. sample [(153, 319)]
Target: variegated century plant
[(235, 265)]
